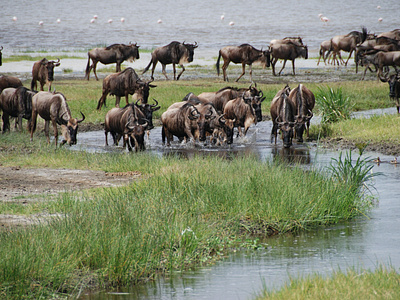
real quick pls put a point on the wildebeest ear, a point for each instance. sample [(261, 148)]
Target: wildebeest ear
[(152, 85)]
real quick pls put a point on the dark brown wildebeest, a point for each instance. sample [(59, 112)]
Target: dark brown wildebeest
[(43, 71), (179, 122), (286, 50), (282, 114), (16, 103), (242, 111), (1, 56), (347, 43), (393, 34), (116, 53), (244, 54), (394, 87), (173, 53), (8, 82), (124, 83), (386, 59), (127, 122), (221, 97), (53, 107), (304, 102)]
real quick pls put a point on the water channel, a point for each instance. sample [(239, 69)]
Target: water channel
[(365, 243)]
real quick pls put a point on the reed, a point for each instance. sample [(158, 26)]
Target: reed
[(333, 105), (182, 214)]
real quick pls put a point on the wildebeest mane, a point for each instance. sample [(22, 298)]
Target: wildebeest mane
[(113, 46)]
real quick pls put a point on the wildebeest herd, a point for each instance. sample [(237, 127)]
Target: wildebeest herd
[(208, 117)]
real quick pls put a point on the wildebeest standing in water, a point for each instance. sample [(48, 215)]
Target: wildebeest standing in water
[(287, 49), (244, 54), (116, 53), (124, 83), (304, 102), (282, 114), (16, 103), (173, 53), (43, 71), (394, 87), (53, 107)]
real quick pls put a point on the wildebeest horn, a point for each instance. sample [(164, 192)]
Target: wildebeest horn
[(383, 79), (136, 103), (1, 48), (221, 120), (155, 102), (83, 118)]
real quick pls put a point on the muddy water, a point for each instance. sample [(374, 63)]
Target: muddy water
[(366, 243)]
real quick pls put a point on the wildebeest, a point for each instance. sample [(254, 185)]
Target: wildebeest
[(386, 59), (1, 56), (304, 102), (282, 114), (394, 87), (16, 103), (324, 48), (393, 34), (242, 110), (124, 83), (8, 82), (244, 54), (347, 43), (173, 53), (221, 97), (53, 107), (127, 122), (43, 71), (287, 50), (179, 122), (115, 53)]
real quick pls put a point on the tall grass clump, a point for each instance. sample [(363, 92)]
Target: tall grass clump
[(181, 215), (333, 105)]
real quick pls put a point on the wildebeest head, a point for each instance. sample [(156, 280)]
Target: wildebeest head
[(143, 89), (394, 84), (300, 125), (304, 52), (1, 55), (49, 65), (130, 52), (190, 51), (256, 104), (286, 122), (228, 126), (136, 134), (71, 130), (203, 121), (147, 110)]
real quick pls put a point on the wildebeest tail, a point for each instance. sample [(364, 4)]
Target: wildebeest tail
[(148, 66), (87, 67), (217, 64), (163, 134)]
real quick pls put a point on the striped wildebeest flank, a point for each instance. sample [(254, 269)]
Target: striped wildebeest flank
[(244, 54), (53, 107), (287, 49), (394, 87), (43, 71), (173, 53), (16, 103), (304, 102), (124, 83), (116, 53), (128, 122), (179, 122), (282, 114)]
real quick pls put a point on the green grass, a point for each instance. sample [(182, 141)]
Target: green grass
[(383, 283)]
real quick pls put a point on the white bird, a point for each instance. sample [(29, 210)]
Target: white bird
[(58, 21), (110, 21), (222, 16), (324, 19), (14, 18), (95, 17), (320, 15), (159, 21), (122, 20), (380, 20), (41, 23), (378, 7), (231, 23), (92, 21)]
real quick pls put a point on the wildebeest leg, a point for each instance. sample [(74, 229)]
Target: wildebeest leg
[(118, 67), (174, 69), (6, 122), (33, 123), (274, 132), (163, 71), (93, 66), (49, 84), (46, 131), (179, 75), (55, 132), (117, 100), (294, 73), (102, 100), (273, 62), (243, 71), (284, 64), (224, 67), (351, 52)]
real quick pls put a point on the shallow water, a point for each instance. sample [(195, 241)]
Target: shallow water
[(367, 243)]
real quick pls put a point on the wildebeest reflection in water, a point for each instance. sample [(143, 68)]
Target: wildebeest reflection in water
[(291, 155), (228, 153)]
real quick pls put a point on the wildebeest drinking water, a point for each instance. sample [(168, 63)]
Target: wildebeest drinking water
[(173, 53), (244, 54)]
